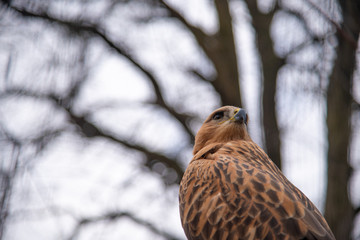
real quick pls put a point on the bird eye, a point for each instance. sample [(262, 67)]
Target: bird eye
[(218, 115)]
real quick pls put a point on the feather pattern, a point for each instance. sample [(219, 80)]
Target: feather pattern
[(232, 190)]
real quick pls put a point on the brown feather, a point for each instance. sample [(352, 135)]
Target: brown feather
[(232, 190)]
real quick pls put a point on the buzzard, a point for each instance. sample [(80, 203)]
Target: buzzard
[(232, 190)]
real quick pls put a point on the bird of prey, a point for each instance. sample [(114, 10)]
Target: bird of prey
[(232, 190)]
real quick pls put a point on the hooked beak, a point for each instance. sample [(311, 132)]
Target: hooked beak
[(240, 116)]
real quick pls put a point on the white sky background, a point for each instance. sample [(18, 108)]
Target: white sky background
[(74, 179)]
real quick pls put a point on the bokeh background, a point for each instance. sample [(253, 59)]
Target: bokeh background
[(100, 102)]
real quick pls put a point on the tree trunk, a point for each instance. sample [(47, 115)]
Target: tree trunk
[(221, 51), (339, 211), (271, 64), (223, 55)]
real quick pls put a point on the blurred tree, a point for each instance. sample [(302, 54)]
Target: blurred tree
[(61, 82), (339, 210), (271, 64)]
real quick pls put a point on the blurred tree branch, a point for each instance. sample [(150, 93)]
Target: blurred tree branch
[(343, 31), (197, 32), (111, 216), (87, 128), (7, 177), (80, 27), (217, 47), (90, 130), (302, 20)]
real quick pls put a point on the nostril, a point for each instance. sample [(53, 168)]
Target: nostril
[(241, 116)]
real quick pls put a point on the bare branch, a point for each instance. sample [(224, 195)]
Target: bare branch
[(301, 18), (7, 178), (217, 47), (90, 130), (197, 32), (201, 76), (46, 137), (346, 35), (113, 216), (83, 27), (299, 47)]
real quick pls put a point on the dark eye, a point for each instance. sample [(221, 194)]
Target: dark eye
[(218, 115)]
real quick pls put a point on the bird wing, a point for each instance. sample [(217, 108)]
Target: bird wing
[(234, 191)]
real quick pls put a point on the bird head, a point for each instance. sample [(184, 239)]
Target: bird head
[(225, 124)]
